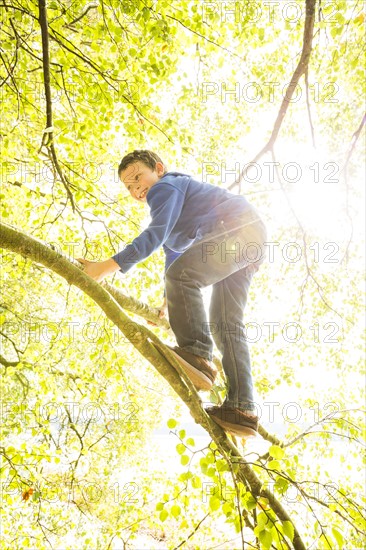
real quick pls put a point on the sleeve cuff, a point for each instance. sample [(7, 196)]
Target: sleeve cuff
[(126, 259)]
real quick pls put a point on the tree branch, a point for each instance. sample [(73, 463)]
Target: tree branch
[(301, 69), (344, 171), (47, 138), (354, 140)]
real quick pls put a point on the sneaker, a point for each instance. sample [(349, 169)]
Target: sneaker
[(234, 421), (199, 370)]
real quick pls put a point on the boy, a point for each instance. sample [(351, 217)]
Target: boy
[(210, 237)]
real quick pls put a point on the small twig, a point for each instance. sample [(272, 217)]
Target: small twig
[(193, 532), (83, 14)]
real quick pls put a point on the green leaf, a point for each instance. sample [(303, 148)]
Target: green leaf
[(172, 423), (175, 510), (265, 538), (146, 14), (288, 530), (185, 475), (210, 457), (257, 529), (214, 503), (203, 465), (227, 508), (251, 502), (222, 466), (281, 484), (325, 540), (17, 459), (262, 519), (196, 482), (163, 515), (184, 459), (335, 31), (276, 451), (274, 465), (338, 536), (180, 448)]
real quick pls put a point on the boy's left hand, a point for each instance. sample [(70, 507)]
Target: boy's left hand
[(162, 313), (99, 270)]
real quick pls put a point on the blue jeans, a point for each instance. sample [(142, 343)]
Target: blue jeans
[(226, 258)]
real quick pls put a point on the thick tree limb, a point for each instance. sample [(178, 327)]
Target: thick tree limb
[(141, 309), (142, 340), (135, 306)]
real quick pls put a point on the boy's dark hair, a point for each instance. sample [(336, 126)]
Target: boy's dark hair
[(143, 155)]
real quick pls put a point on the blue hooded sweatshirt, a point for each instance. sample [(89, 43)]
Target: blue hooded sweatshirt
[(183, 210)]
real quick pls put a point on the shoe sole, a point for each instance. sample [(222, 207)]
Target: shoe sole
[(198, 378), (200, 381), (235, 429)]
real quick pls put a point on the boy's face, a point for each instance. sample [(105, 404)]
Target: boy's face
[(138, 178)]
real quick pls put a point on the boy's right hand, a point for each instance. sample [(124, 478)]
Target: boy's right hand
[(99, 270)]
